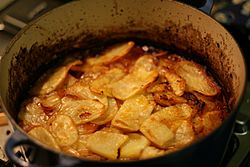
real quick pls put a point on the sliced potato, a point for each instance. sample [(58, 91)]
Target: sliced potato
[(87, 128), (157, 132), (109, 113), (168, 99), (50, 81), (151, 152), (176, 82), (133, 147), (51, 102), (44, 136), (81, 111), (173, 113), (32, 113), (144, 73), (64, 130), (106, 144), (81, 90), (102, 83), (81, 147), (196, 78), (132, 113), (112, 54), (184, 134)]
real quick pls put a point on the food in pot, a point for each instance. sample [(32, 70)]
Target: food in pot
[(128, 102)]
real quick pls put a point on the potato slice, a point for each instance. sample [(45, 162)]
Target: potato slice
[(173, 113), (184, 134), (32, 112), (44, 136), (109, 113), (50, 81), (106, 144), (168, 99), (132, 113), (176, 82), (157, 128), (151, 152), (144, 73), (112, 54), (102, 83), (157, 132), (51, 102), (81, 111), (196, 78), (87, 128), (81, 90), (64, 130), (133, 147)]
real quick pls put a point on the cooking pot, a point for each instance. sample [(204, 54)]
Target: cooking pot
[(84, 24)]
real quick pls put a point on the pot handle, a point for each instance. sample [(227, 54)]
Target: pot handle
[(18, 139), (203, 5), (15, 140)]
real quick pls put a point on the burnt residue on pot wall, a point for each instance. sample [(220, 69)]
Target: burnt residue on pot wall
[(28, 64)]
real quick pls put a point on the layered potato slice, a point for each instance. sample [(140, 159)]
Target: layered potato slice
[(109, 113), (102, 83), (106, 144), (184, 134), (44, 136), (82, 91), (52, 80), (196, 78), (133, 147), (143, 73), (64, 130), (157, 132), (157, 128), (32, 113), (133, 113), (112, 54), (176, 82), (81, 111)]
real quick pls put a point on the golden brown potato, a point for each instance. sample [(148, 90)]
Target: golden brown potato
[(144, 73), (112, 54), (64, 130), (82, 91), (109, 113), (132, 113), (81, 111), (176, 82), (102, 84), (157, 132), (32, 113), (106, 144), (44, 136), (133, 147), (196, 78)]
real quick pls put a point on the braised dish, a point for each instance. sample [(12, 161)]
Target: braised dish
[(128, 102)]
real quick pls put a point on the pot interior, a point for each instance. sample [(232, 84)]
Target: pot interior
[(84, 24)]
